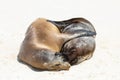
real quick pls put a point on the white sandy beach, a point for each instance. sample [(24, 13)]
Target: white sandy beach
[(16, 16)]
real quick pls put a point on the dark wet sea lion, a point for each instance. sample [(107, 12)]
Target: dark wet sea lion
[(80, 48)]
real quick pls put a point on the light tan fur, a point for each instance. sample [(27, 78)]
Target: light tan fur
[(42, 35)]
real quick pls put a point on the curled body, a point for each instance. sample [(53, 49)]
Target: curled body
[(56, 45)]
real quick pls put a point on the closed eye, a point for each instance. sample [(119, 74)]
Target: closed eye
[(72, 50)]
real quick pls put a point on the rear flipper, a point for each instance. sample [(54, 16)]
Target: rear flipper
[(75, 28), (74, 22)]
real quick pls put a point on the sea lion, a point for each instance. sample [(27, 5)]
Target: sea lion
[(45, 44), (80, 48), (40, 48)]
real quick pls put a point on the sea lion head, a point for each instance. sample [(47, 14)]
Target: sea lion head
[(70, 52), (78, 49)]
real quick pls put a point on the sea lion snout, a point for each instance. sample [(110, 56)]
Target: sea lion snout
[(57, 63)]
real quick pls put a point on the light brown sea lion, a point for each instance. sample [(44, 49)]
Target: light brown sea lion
[(42, 42)]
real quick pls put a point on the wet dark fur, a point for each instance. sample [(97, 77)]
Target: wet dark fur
[(79, 48)]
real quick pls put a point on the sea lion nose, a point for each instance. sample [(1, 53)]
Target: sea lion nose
[(66, 66)]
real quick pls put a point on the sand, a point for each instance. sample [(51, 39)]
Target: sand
[(103, 65), (16, 17)]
